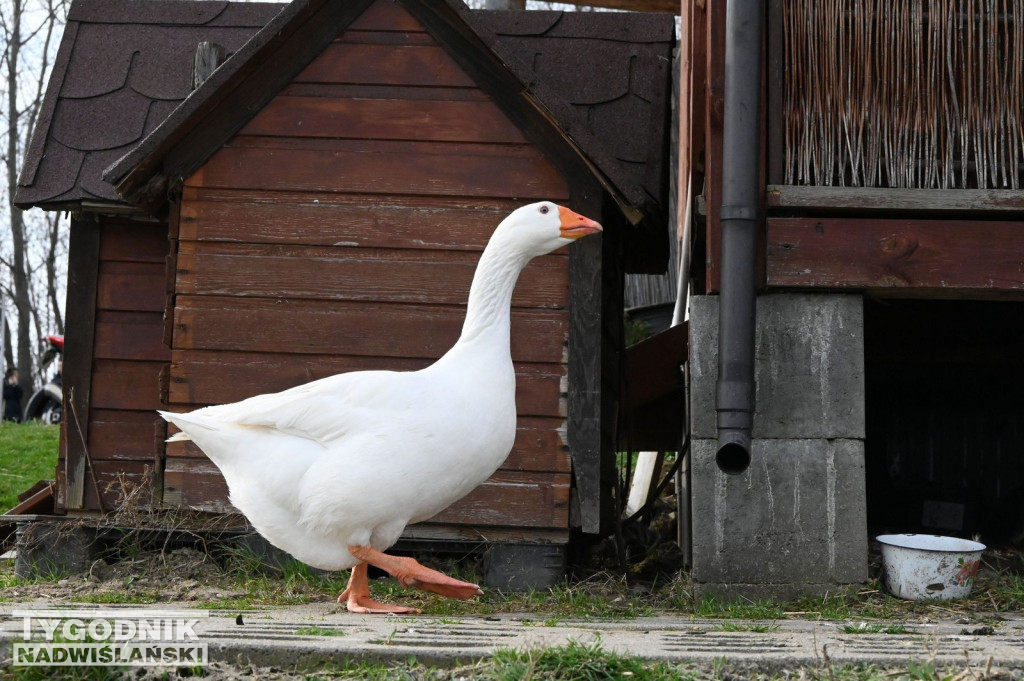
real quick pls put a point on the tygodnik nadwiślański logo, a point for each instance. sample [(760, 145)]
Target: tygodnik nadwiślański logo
[(116, 637)]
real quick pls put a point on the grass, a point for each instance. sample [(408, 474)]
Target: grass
[(578, 661), (132, 598), (760, 610), (293, 583), (874, 628), (1009, 595), (28, 453), (319, 631)]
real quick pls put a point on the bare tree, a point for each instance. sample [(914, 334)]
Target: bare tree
[(28, 29), (56, 245)]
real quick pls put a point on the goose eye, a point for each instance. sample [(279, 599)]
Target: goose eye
[(544, 209)]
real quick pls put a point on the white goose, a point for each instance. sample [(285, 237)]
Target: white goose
[(333, 471)]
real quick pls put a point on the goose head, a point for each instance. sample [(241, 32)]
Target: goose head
[(540, 228)]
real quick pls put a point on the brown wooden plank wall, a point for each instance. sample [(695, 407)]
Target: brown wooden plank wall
[(123, 432), (339, 231)]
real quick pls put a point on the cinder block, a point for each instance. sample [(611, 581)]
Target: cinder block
[(521, 567), (51, 549), (796, 518), (809, 366)]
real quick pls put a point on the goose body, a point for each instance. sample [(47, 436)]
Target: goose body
[(332, 471), (354, 458)]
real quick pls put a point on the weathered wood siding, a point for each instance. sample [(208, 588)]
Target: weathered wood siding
[(117, 422), (933, 257), (339, 231)]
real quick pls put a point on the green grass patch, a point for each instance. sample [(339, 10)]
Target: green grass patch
[(319, 631), (130, 598), (28, 453), (874, 628), (229, 603), (577, 661), (1008, 594), (714, 608)]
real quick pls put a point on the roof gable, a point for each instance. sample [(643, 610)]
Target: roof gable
[(257, 72)]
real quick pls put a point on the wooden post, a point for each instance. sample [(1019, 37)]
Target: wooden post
[(584, 419), (775, 93), (595, 349), (83, 271)]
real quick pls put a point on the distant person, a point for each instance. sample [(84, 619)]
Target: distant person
[(12, 396)]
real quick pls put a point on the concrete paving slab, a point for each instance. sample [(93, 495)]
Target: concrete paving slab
[(283, 637)]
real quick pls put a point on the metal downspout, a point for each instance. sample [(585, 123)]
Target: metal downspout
[(741, 155)]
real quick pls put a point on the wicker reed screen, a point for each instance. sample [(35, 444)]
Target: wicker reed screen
[(904, 93)]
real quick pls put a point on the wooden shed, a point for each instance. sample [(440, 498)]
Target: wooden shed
[(318, 204)]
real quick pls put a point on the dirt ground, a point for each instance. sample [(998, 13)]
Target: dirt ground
[(183, 574)]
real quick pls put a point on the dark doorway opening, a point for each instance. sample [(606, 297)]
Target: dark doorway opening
[(945, 417)]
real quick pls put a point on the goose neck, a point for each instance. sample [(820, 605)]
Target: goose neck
[(490, 295)]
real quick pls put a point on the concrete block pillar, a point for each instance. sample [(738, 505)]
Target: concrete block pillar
[(795, 522)]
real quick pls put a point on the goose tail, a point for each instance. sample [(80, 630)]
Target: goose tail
[(186, 423)]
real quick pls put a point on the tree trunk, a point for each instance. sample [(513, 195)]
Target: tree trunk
[(19, 274), (8, 352), (53, 223)]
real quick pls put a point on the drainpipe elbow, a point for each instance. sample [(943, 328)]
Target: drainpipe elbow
[(735, 423), (733, 455)]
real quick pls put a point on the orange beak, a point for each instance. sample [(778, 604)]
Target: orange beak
[(575, 225)]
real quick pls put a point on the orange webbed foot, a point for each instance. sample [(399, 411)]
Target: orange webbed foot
[(425, 579), (356, 597), (409, 572)]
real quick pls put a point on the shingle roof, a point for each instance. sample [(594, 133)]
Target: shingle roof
[(125, 67), (122, 67)]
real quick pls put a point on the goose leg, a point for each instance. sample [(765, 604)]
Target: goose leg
[(356, 596), (410, 573)]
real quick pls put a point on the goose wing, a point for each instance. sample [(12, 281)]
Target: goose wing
[(323, 410)]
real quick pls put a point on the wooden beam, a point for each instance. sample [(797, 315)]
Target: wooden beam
[(83, 273), (949, 257), (664, 6), (873, 199), (431, 531), (654, 367)]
